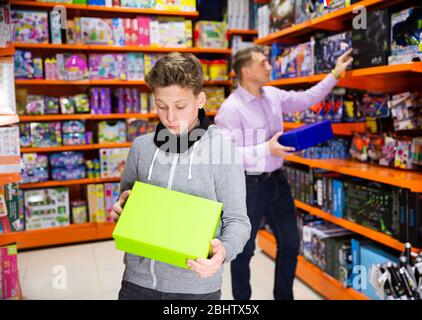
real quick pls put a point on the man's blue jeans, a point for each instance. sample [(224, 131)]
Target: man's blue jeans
[(269, 198)]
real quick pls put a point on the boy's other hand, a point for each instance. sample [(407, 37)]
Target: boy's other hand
[(277, 149), (208, 267), (119, 205)]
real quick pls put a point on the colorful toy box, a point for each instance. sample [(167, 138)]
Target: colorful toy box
[(406, 31), (45, 208), (10, 219), (29, 26), (113, 162), (111, 131), (170, 230), (46, 134), (210, 34), (24, 65), (35, 168), (328, 49), (135, 66), (97, 31), (307, 136), (9, 273), (107, 66)]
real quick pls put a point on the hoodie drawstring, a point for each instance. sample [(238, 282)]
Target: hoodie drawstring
[(191, 160), (152, 164)]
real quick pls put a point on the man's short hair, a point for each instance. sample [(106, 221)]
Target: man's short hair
[(243, 58), (181, 69)]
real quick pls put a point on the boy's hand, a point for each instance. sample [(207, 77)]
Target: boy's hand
[(277, 149), (342, 63), (208, 267), (119, 205)]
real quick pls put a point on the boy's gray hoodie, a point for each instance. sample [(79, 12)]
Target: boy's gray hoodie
[(211, 169)]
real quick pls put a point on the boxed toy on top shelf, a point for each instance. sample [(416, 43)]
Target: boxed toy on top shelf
[(241, 15), (329, 48), (210, 34), (5, 24), (263, 21)]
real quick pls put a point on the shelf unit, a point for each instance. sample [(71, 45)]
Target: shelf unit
[(43, 82), (345, 129), (400, 178), (352, 226), (77, 147), (99, 117), (335, 21), (321, 282), (103, 9), (111, 48), (240, 32), (49, 184), (74, 233), (7, 51)]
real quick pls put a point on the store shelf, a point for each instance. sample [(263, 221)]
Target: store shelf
[(321, 282), (8, 119), (7, 51), (111, 116), (111, 48), (345, 129), (240, 32), (59, 235), (357, 228), (6, 178), (77, 148), (43, 82), (396, 177), (391, 78), (335, 21), (112, 10), (49, 184)]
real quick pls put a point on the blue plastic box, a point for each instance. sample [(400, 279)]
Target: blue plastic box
[(307, 136)]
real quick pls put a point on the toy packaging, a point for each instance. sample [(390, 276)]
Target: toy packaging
[(100, 100), (79, 212), (96, 202), (118, 31), (406, 31), (111, 193), (172, 32), (7, 87), (45, 208), (74, 138), (388, 152), (307, 136), (138, 3), (9, 273), (167, 234), (24, 66), (67, 166), (46, 134), (35, 104), (135, 66), (51, 69), (70, 32), (93, 168), (218, 70), (38, 68), (81, 103), (292, 62), (282, 14), (405, 111), (107, 66), (72, 66), (73, 126), (210, 34), (136, 128), (416, 151), (113, 162), (25, 134), (30, 26), (10, 219), (35, 168), (5, 24), (55, 29), (111, 131), (359, 146), (67, 105), (51, 105), (215, 97), (328, 49), (332, 149), (402, 158), (96, 31)]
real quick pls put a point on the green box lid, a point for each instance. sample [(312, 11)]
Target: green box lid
[(166, 225)]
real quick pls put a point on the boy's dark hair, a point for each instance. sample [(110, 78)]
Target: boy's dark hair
[(243, 57), (182, 69)]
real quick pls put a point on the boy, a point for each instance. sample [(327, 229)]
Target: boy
[(189, 155)]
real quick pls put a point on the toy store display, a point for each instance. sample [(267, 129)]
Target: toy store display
[(210, 34), (136, 128), (11, 219), (328, 49), (96, 31), (45, 134), (100, 100), (96, 203), (67, 166), (112, 131), (93, 168), (79, 212), (127, 100), (292, 62), (72, 66), (135, 65), (371, 45), (107, 66), (35, 168), (9, 273), (45, 208), (113, 162), (24, 65), (215, 98), (111, 193), (73, 133), (406, 111), (29, 26), (406, 36)]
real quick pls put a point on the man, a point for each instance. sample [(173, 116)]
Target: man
[(252, 117), (178, 157)]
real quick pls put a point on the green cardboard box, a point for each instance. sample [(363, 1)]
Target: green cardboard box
[(166, 225)]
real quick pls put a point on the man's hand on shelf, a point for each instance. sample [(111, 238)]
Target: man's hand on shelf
[(343, 62)]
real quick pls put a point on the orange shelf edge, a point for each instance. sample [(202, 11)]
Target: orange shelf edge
[(53, 183), (58, 235), (6, 178), (399, 178), (241, 32), (8, 119), (77, 147), (7, 51), (321, 282), (349, 225), (93, 8)]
